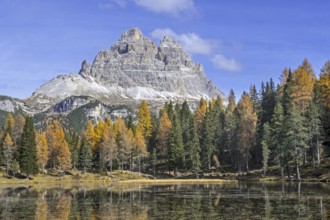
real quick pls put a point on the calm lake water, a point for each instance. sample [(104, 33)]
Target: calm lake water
[(240, 200)]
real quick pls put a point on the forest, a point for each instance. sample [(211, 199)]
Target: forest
[(285, 125)]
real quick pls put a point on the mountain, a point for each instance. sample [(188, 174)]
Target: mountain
[(133, 69)]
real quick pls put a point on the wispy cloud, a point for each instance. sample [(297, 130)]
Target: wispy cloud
[(191, 42), (109, 4), (173, 7), (223, 63)]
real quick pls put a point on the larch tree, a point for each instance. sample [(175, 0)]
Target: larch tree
[(200, 114), (123, 141), (108, 148), (89, 134), (164, 129), (8, 151), (302, 86), (144, 120), (59, 152), (42, 148), (28, 150), (246, 130), (140, 146)]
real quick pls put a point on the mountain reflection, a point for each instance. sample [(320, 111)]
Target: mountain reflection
[(236, 200)]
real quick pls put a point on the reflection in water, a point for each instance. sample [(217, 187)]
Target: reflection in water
[(228, 201)]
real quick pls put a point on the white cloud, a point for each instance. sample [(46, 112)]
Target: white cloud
[(109, 4), (221, 62), (174, 7), (190, 42)]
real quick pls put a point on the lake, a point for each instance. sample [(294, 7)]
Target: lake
[(234, 200)]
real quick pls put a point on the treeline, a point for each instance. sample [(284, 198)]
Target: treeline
[(286, 124)]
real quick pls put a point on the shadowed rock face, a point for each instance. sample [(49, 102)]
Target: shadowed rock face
[(134, 68)]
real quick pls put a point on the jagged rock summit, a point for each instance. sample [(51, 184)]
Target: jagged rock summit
[(134, 68)]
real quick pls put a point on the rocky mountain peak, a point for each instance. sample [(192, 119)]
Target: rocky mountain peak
[(133, 34), (134, 68)]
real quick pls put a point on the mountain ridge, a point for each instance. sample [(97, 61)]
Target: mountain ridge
[(134, 68)]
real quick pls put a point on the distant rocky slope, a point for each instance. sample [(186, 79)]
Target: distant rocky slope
[(134, 68)]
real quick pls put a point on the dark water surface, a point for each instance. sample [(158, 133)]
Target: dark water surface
[(236, 200)]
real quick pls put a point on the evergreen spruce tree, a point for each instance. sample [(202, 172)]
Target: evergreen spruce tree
[(314, 128), (195, 149), (175, 146), (86, 156), (208, 138), (28, 151), (266, 143), (295, 138), (278, 150)]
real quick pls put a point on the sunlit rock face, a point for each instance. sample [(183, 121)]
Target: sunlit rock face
[(133, 69)]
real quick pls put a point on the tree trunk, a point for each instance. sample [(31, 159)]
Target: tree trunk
[(305, 157), (288, 171), (139, 163), (282, 172), (318, 154), (314, 149), (247, 165), (297, 172)]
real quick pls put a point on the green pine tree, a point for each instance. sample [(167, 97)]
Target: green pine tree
[(195, 149), (295, 138), (28, 151), (175, 146), (86, 157), (266, 142)]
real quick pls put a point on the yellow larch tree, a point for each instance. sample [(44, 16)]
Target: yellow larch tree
[(140, 146), (200, 113), (59, 152), (42, 149), (246, 130), (89, 134), (163, 133), (302, 85), (144, 119), (8, 151)]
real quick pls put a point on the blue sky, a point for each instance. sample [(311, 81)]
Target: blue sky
[(239, 43)]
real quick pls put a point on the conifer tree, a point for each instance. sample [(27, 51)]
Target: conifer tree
[(185, 117), (8, 151), (302, 86), (141, 147), (266, 143), (246, 129), (208, 137), (296, 137), (108, 149), (277, 138), (42, 148), (314, 128), (86, 156), (59, 152), (28, 151), (175, 146), (200, 114), (164, 129), (195, 149), (144, 120)]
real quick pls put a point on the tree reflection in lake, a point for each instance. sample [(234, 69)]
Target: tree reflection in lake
[(240, 200)]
